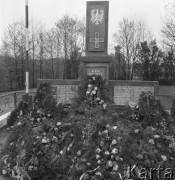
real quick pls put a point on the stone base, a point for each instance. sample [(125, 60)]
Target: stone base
[(98, 65)]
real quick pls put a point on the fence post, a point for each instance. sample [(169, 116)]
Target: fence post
[(15, 100)]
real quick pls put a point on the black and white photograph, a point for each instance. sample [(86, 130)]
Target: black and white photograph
[(87, 90)]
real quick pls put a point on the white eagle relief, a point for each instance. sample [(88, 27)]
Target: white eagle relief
[(97, 16)]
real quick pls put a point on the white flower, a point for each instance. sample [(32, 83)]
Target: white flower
[(93, 78), (58, 123), (98, 162), (105, 132), (95, 88), (136, 130), (119, 138), (101, 143), (101, 102), (38, 119), (114, 142), (78, 153), (164, 157), (98, 99), (107, 153), (98, 150), (132, 104), (104, 105), (44, 140), (156, 136), (19, 123), (4, 171), (114, 151), (115, 167), (89, 86), (109, 164), (114, 127), (93, 92), (151, 141), (61, 152), (55, 128), (97, 156), (87, 92), (98, 174)]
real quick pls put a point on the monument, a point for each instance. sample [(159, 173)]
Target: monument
[(96, 59)]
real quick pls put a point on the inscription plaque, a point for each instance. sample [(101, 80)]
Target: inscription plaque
[(124, 94), (96, 71), (65, 93)]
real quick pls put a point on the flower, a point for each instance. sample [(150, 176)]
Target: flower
[(44, 141), (119, 138), (107, 153), (58, 123), (98, 150), (89, 86), (4, 171), (101, 102), (114, 142), (98, 99), (78, 153), (104, 105), (87, 92), (98, 174), (19, 123), (132, 104), (101, 143), (151, 141), (136, 130), (156, 136), (93, 92), (97, 156), (98, 162), (115, 167), (93, 78), (114, 127), (61, 152), (114, 151), (95, 88), (164, 157), (109, 163)]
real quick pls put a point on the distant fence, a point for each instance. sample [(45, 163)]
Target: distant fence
[(10, 101), (166, 100)]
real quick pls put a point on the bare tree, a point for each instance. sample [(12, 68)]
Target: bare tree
[(14, 47), (71, 37), (128, 37)]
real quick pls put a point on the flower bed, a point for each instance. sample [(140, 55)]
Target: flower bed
[(90, 139)]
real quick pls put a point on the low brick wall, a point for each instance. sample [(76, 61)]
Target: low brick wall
[(122, 91)]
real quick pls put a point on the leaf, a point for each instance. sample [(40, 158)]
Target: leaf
[(55, 159), (23, 153), (84, 176)]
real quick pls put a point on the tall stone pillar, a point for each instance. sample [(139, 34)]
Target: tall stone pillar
[(96, 60)]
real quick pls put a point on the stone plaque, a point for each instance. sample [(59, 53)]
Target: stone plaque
[(65, 93), (96, 71), (124, 94), (97, 26)]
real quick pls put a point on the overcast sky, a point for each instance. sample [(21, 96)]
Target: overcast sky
[(152, 11)]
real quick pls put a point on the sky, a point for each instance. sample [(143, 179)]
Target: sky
[(48, 11)]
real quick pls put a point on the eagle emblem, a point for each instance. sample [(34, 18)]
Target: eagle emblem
[(97, 16)]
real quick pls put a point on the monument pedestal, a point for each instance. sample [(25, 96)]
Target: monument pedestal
[(98, 65)]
